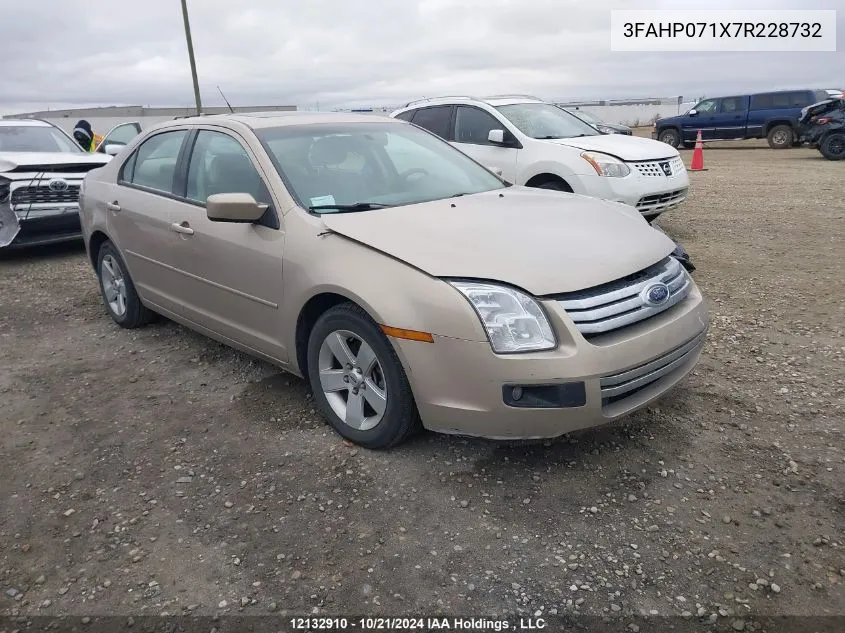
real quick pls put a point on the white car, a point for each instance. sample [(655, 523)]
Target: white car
[(530, 142)]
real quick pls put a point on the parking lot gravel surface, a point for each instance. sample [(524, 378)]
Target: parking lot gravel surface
[(155, 471)]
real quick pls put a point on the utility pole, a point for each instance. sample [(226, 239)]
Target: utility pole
[(191, 56)]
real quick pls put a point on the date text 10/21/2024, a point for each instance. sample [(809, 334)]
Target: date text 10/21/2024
[(422, 624)]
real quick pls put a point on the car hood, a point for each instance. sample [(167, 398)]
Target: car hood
[(623, 147), (544, 242), (39, 160)]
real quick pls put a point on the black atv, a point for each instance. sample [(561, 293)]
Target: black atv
[(822, 126)]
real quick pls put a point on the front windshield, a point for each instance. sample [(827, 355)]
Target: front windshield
[(332, 165), (35, 138), (542, 120), (586, 116)]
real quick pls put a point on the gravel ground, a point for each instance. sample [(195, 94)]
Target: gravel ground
[(155, 471)]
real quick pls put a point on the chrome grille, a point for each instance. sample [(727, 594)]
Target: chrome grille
[(621, 303), (627, 383), (42, 194), (661, 201), (653, 168)]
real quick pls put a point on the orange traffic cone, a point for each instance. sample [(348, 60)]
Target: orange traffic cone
[(698, 155)]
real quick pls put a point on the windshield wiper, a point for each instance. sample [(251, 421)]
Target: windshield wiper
[(350, 208)]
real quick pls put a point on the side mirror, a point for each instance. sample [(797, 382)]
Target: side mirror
[(692, 112), (113, 149), (233, 207), (496, 137)]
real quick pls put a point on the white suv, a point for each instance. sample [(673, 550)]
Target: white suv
[(534, 143)]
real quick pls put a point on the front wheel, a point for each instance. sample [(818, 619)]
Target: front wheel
[(781, 137), (358, 381), (832, 146), (670, 137)]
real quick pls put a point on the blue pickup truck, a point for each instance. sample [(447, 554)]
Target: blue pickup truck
[(770, 115)]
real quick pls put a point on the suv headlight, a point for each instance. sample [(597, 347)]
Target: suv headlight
[(514, 321), (606, 165), (605, 129)]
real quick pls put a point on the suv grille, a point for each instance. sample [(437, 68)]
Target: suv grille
[(654, 168), (42, 194), (623, 302)]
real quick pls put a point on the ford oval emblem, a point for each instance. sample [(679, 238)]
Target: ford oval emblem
[(655, 295), (58, 185)]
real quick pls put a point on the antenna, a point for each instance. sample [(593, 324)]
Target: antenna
[(226, 100)]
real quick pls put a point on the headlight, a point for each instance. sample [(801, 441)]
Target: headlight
[(514, 321), (606, 165), (605, 129)]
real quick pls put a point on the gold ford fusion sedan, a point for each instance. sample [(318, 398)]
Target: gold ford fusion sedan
[(408, 284)]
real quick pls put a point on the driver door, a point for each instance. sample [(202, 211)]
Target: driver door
[(120, 134), (704, 119)]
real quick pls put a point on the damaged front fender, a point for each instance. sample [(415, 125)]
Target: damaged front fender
[(9, 225)]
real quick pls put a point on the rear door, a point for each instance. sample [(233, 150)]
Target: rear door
[(731, 119), (140, 212), (119, 135), (230, 273), (702, 120)]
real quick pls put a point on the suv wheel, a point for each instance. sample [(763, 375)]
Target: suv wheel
[(358, 381), (670, 137), (119, 294), (832, 146), (781, 137)]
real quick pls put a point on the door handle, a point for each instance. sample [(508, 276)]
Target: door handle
[(182, 228), (113, 206)]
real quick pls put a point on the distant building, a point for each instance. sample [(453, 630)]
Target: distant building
[(103, 119)]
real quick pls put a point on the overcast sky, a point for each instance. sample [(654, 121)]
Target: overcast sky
[(65, 53)]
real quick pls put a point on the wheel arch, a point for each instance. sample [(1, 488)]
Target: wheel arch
[(95, 242), (547, 177), (774, 123)]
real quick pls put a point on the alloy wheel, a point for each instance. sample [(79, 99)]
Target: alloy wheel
[(114, 285), (352, 380)]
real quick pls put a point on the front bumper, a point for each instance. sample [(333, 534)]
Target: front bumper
[(60, 225), (462, 387), (646, 188)]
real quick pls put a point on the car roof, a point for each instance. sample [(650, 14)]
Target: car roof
[(25, 122), (257, 120), (493, 101)]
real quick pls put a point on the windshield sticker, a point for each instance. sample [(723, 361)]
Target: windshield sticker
[(320, 201)]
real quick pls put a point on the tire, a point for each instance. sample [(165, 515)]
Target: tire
[(832, 146), (670, 136), (781, 137), (345, 330), (119, 295)]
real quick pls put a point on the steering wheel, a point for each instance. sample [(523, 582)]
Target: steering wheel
[(414, 170)]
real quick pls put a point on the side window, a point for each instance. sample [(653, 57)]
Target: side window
[(707, 107), (800, 99), (406, 116), (762, 102), (732, 104), (434, 119), (219, 164), (473, 125), (781, 100), (120, 135), (154, 162)]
